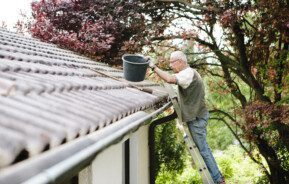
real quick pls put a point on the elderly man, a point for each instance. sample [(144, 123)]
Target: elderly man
[(192, 103)]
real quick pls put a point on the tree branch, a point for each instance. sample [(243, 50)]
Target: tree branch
[(234, 87), (189, 4), (244, 63)]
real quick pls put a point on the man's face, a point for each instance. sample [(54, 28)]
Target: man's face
[(175, 64)]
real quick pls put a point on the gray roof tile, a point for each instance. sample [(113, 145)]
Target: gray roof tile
[(50, 96)]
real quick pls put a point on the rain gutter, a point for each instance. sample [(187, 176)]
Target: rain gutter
[(60, 164)]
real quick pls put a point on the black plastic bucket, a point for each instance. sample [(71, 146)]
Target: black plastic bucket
[(134, 67)]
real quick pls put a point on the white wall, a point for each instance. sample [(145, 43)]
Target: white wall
[(108, 166), (139, 156)]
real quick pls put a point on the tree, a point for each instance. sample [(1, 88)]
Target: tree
[(100, 29), (251, 59)]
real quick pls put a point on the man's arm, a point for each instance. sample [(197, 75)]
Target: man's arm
[(165, 75)]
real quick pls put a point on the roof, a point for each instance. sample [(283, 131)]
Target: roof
[(50, 96)]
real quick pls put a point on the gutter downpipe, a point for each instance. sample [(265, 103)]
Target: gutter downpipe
[(152, 158), (61, 163)]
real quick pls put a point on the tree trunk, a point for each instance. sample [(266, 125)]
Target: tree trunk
[(276, 177), (283, 131), (277, 174), (281, 127)]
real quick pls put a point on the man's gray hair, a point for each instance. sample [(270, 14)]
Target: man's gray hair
[(179, 55)]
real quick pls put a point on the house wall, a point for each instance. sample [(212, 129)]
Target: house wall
[(108, 166), (105, 168), (139, 157)]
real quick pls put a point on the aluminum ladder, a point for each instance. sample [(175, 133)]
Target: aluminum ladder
[(194, 151)]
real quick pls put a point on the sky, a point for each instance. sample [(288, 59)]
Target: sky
[(10, 10)]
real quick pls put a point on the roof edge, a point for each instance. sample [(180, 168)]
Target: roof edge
[(59, 164)]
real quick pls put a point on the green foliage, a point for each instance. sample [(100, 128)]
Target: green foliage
[(219, 136), (283, 154), (237, 167), (225, 165), (167, 177), (262, 180), (188, 176), (234, 164), (170, 149)]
